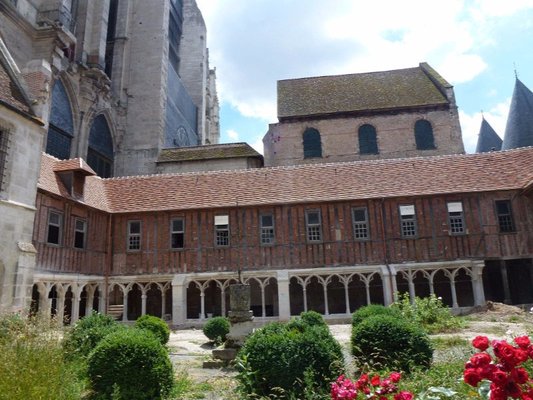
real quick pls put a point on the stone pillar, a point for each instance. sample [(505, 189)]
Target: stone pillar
[(455, 304), (179, 299), (90, 301), (60, 306), (304, 289), (263, 308), (347, 297), (388, 277), (125, 303), (202, 304), (284, 303), (223, 301), (102, 299), (143, 303), (163, 303), (326, 304), (477, 284)]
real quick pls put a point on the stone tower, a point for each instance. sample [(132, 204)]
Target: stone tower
[(117, 80)]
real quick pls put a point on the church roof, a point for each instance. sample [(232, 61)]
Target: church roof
[(310, 183), (12, 93), (374, 91), (207, 152), (519, 128), (488, 139), (74, 164)]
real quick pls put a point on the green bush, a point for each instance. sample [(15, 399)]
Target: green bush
[(428, 312), (130, 364), (313, 318), (83, 337), (216, 329), (32, 364), (372, 309), (288, 359), (386, 342), (155, 325)]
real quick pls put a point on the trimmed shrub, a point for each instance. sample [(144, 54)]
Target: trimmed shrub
[(130, 364), (429, 312), (386, 342), (216, 329), (373, 309), (155, 325), (87, 333), (313, 318), (287, 359)]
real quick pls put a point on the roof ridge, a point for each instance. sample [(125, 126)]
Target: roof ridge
[(350, 74)]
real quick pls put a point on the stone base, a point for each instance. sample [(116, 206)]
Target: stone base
[(236, 317), (227, 354), (238, 334), (213, 364)]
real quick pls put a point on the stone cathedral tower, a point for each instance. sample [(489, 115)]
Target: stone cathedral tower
[(115, 81)]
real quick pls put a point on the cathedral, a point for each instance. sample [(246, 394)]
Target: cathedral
[(116, 196)]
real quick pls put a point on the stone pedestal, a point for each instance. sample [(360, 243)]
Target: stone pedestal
[(241, 320)]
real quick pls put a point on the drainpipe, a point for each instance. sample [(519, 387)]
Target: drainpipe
[(386, 248)]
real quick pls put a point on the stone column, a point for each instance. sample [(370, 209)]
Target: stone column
[(388, 278), (102, 299), (326, 303), (90, 299), (179, 299), (60, 306), (284, 303), (143, 302), (163, 303), (505, 282), (125, 303), (477, 284), (347, 297)]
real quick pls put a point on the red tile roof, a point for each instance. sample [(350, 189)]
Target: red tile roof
[(10, 92), (74, 164), (423, 176)]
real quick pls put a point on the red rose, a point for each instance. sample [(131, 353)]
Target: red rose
[(395, 377), (480, 359), (403, 396), (375, 380), (471, 377), (522, 341), (481, 343), (519, 375), (499, 377)]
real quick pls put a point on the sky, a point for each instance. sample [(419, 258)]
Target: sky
[(478, 46)]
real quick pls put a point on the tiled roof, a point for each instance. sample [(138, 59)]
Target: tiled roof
[(207, 152), (423, 176), (519, 128), (10, 91), (488, 139), (94, 193), (74, 164), (386, 90)]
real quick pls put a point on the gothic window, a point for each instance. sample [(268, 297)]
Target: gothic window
[(456, 219), (505, 216), (175, 26), (313, 225), (80, 233), (100, 151), (312, 145), (177, 233), (360, 223), (424, 135), (3, 152), (134, 235), (267, 229), (408, 221), (61, 127), (55, 228), (368, 143)]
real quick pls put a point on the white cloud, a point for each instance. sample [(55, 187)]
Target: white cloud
[(232, 134), (257, 144)]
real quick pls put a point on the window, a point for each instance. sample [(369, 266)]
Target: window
[(3, 153), (222, 230), (408, 221), (134, 235), (267, 229), (312, 145), (505, 216), (61, 127), (177, 234), (424, 135), (314, 226), (360, 223), (100, 151), (55, 222), (80, 229), (456, 219), (368, 140)]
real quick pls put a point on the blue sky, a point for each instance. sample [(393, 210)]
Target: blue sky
[(474, 45)]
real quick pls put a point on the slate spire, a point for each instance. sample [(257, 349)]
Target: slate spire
[(488, 139), (519, 128)]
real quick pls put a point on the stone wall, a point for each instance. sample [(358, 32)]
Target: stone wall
[(339, 137)]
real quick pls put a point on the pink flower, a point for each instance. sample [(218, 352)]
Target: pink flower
[(403, 396)]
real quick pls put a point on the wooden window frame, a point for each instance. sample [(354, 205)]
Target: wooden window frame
[(134, 239), (408, 222), (361, 229), (456, 218), (313, 231), (267, 233), (84, 232), (177, 232), (58, 225), (222, 231), (506, 223)]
